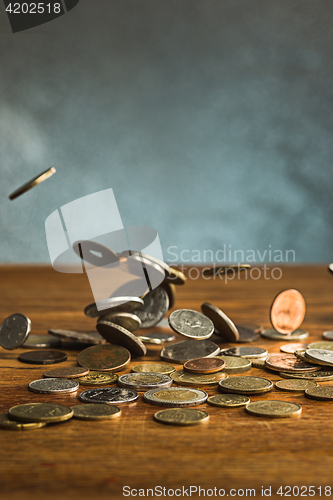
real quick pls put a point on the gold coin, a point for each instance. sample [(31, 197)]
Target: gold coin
[(234, 364), (273, 409), (40, 412), (181, 416), (164, 368), (13, 425), (295, 385), (182, 377), (228, 400), (176, 277), (246, 385), (320, 393), (98, 378), (321, 376), (96, 411), (175, 396), (30, 184), (291, 348)]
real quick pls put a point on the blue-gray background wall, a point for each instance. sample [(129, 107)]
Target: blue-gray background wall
[(210, 119)]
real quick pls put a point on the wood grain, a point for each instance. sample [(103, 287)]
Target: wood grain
[(97, 459)]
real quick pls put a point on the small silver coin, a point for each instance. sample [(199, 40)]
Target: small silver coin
[(41, 341), (53, 386), (175, 396), (116, 334), (113, 305), (328, 335), (191, 324), (14, 331), (189, 349), (154, 308), (144, 381), (130, 322), (109, 395), (157, 338), (322, 356), (272, 334), (245, 352), (93, 338)]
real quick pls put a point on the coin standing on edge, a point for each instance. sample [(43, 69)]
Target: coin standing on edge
[(144, 381), (181, 416), (104, 358), (287, 311), (14, 331), (175, 396), (154, 308), (108, 395), (96, 412), (221, 322), (42, 357), (191, 324), (228, 400), (40, 412), (53, 386), (273, 409)]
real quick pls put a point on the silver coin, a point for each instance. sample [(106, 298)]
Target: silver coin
[(129, 321), (175, 396), (321, 376), (156, 338), (109, 395), (145, 257), (144, 381), (321, 345), (328, 335), (93, 338), (163, 323), (272, 334), (222, 323), (113, 305), (245, 352), (322, 356), (189, 349), (191, 324), (154, 308), (14, 331), (116, 334), (53, 386), (41, 341)]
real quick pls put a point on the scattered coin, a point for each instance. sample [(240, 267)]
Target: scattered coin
[(320, 393), (14, 331), (129, 321), (245, 352), (191, 324), (328, 346), (156, 338), (272, 334), (235, 365), (40, 412), (96, 411), (176, 277), (164, 368), (321, 376), (53, 386), (246, 385), (98, 378), (144, 381), (300, 354), (154, 308), (41, 341), (273, 409), (104, 358), (295, 385), (291, 348), (189, 349), (85, 337), (112, 306), (259, 362), (204, 365), (42, 357), (248, 333), (287, 311), (13, 425), (228, 400), (289, 362), (221, 270), (67, 372), (175, 396), (328, 335), (144, 256), (320, 356), (36, 180), (116, 334), (171, 291), (136, 264), (109, 395), (221, 322), (181, 377), (181, 416)]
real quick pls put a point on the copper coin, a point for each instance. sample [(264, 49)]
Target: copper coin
[(67, 372), (104, 358), (289, 362), (291, 348), (42, 357), (287, 311), (204, 365)]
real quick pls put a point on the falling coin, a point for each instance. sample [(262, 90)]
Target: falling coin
[(53, 386), (85, 337), (175, 396), (108, 395), (171, 291), (204, 365), (295, 385), (245, 352), (96, 411), (14, 331), (112, 306), (181, 416), (41, 342), (67, 372), (228, 400), (104, 358), (164, 368), (116, 334), (40, 412), (176, 276), (320, 393), (191, 324), (221, 322), (98, 378), (36, 180), (291, 348), (189, 349), (287, 311), (235, 365), (272, 334), (154, 308), (182, 377), (13, 425), (246, 385), (129, 321), (289, 362), (273, 409), (144, 381), (156, 338), (43, 357)]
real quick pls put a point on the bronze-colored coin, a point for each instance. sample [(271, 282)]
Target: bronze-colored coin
[(221, 322), (30, 184), (96, 412), (204, 365), (181, 377), (12, 425), (322, 376), (40, 412), (116, 334), (295, 385), (181, 416), (228, 400), (289, 362), (67, 372), (98, 378), (129, 321), (287, 311), (171, 291), (274, 409), (41, 342), (320, 393), (164, 368), (235, 365), (189, 349), (42, 357), (86, 337), (176, 277), (221, 270), (104, 358), (291, 348), (246, 385)]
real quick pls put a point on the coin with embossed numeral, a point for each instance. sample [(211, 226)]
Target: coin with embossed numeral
[(228, 400), (14, 331)]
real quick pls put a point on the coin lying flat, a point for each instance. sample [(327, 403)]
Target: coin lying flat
[(164, 368), (191, 324), (13, 425), (129, 321), (289, 362), (144, 381), (67, 372), (41, 341), (53, 386), (154, 308), (96, 411), (181, 416), (328, 346), (181, 377), (246, 385), (245, 352), (40, 412), (112, 306), (156, 338), (228, 400), (14, 331), (287, 311), (204, 365), (221, 322), (175, 396), (98, 378), (116, 334), (295, 385), (320, 393), (272, 334), (221, 270), (109, 395), (104, 358), (189, 349), (320, 356), (328, 335), (235, 365), (42, 357), (273, 409), (291, 348), (321, 376), (85, 337), (34, 182)]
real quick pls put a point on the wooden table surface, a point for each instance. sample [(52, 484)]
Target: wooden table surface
[(233, 450)]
